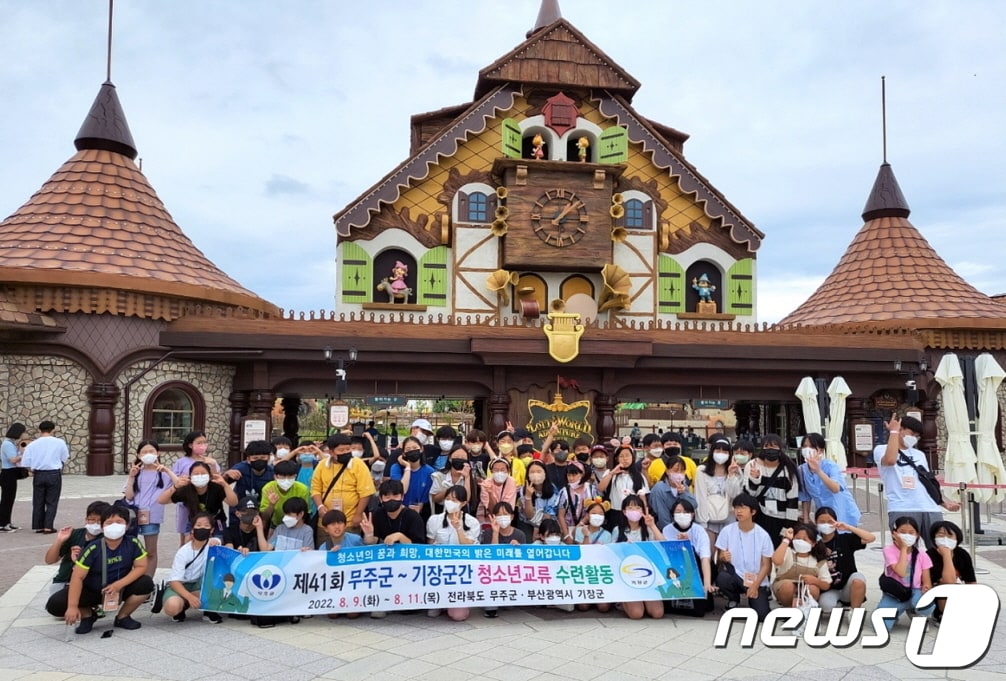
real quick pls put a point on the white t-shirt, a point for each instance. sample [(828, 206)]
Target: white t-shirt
[(192, 573), (696, 535), (437, 533), (622, 486), (901, 483), (746, 548)]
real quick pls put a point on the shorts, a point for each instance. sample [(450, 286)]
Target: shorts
[(147, 530), (193, 587)]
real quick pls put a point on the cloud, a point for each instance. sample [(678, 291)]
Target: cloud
[(281, 184)]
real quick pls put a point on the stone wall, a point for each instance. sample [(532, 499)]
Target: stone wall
[(35, 388), (213, 381)]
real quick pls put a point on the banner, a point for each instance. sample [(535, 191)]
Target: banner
[(419, 576)]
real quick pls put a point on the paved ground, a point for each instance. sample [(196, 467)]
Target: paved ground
[(522, 644)]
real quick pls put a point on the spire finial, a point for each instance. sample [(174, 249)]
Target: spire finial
[(883, 112), (548, 14), (108, 58)]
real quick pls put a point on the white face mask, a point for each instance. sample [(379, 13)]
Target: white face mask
[(93, 529), (599, 462), (499, 477), (808, 452), (148, 459), (721, 457), (802, 546), (553, 540), (947, 542), (910, 441), (504, 521), (357, 453), (451, 506), (280, 453), (536, 479), (289, 520), (476, 448), (908, 539), (285, 483), (423, 440), (200, 480), (445, 445), (683, 520), (657, 452), (115, 531), (825, 528), (596, 519)]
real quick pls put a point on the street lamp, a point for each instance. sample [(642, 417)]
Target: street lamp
[(340, 368)]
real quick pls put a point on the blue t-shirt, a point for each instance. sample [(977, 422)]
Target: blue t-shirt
[(9, 451), (349, 540), (420, 483)]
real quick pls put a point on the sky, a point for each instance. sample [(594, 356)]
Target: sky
[(257, 121)]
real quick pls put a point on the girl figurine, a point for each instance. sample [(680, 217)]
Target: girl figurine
[(398, 273), (538, 148), (583, 143)]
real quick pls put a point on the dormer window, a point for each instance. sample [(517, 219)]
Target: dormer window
[(560, 113), (634, 214), (478, 207)]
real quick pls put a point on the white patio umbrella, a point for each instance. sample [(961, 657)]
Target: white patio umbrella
[(959, 462), (838, 391), (990, 468), (807, 392)]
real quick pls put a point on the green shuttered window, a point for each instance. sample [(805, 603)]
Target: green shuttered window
[(433, 277), (740, 287), (670, 285), (355, 274)]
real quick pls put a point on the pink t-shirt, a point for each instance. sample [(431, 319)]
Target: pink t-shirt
[(892, 554)]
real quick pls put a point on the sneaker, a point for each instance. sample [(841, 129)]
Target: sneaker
[(732, 604), (378, 615), (15, 528), (8, 528), (212, 617), (158, 598), (294, 620), (86, 624), (436, 612), (128, 623), (491, 614), (180, 617)]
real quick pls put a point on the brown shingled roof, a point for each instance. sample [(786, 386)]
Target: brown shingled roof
[(14, 317), (891, 276), (98, 222)]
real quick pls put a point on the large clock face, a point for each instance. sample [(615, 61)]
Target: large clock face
[(559, 218)]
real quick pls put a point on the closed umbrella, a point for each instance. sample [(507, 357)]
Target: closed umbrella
[(959, 462), (990, 463), (838, 390), (807, 392)]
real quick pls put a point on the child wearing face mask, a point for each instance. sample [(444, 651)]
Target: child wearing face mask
[(717, 482), (499, 486), (284, 486), (187, 572), (453, 526), (683, 527), (66, 549), (823, 484), (951, 563), (147, 479), (800, 556), (773, 480), (669, 490), (905, 563), (291, 534)]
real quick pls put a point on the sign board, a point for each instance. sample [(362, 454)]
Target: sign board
[(385, 401), (864, 437), (571, 420), (338, 414), (254, 428), (710, 404)]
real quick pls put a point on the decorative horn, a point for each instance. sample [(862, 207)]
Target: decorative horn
[(557, 305), (616, 211), (617, 199), (498, 227), (502, 192), (617, 285), (499, 281), (619, 234), (502, 212)]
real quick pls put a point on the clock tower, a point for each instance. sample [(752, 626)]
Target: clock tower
[(557, 214)]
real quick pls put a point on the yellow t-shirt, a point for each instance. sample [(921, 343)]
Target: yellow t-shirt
[(355, 483), (518, 471), (657, 468)]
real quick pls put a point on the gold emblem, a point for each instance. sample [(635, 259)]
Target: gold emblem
[(563, 331)]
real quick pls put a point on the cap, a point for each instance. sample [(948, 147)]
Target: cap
[(377, 470), (424, 424), (247, 503), (598, 448), (521, 433)]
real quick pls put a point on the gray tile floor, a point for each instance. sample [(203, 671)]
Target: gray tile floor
[(522, 644)]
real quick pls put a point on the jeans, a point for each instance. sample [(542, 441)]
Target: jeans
[(888, 601)]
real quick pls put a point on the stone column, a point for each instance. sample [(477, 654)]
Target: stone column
[(605, 405), (101, 428), (291, 420), (499, 413), (929, 433), (239, 409)]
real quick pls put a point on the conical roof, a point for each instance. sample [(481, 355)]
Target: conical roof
[(890, 276), (97, 222)]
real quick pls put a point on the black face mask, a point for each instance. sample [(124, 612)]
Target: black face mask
[(412, 457), (561, 455), (343, 458), (583, 457), (258, 465), (672, 451), (391, 505), (458, 464), (201, 533), (770, 454)]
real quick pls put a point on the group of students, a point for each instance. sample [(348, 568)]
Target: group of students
[(753, 508)]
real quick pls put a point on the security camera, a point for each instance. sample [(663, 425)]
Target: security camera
[(910, 385)]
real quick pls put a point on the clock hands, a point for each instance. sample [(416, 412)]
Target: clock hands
[(563, 213)]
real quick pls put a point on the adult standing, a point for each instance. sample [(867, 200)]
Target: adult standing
[(904, 491), (46, 457), (10, 453)]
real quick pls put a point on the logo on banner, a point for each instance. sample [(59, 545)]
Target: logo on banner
[(265, 583), (637, 572)]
